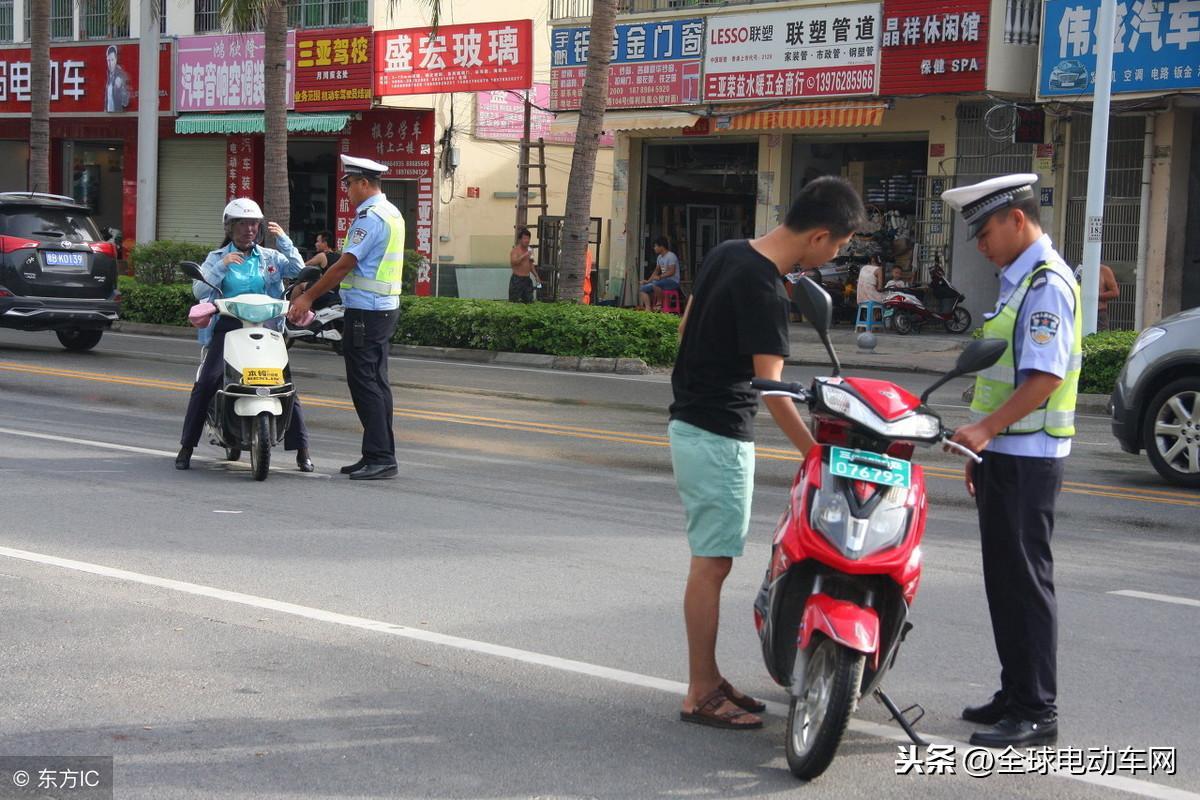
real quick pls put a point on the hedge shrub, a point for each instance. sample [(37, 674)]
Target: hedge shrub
[(1103, 356), (156, 304), (156, 263)]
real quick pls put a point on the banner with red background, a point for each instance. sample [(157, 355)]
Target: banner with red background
[(80, 80), (456, 58), (933, 46)]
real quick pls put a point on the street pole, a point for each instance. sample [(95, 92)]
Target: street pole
[(523, 170), (147, 136), (1097, 165)]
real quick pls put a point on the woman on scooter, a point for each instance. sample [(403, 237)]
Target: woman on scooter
[(240, 266)]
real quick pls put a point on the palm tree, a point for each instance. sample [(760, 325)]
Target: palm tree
[(587, 142), (39, 87)]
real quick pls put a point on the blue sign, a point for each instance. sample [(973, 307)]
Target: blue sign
[(1156, 47), (636, 43)]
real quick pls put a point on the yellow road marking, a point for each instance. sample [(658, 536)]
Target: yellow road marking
[(620, 437)]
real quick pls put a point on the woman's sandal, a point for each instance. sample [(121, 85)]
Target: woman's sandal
[(743, 701), (706, 714)]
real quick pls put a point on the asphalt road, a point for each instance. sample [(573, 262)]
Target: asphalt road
[(504, 620)]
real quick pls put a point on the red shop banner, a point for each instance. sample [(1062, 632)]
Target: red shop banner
[(84, 79), (934, 46), (333, 69), (403, 141), (484, 56), (240, 172)]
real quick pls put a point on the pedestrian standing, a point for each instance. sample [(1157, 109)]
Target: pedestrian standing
[(524, 273), (369, 273), (735, 327), (1023, 418)]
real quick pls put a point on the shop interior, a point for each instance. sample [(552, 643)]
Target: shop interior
[(697, 195), (93, 174), (403, 195), (312, 176)]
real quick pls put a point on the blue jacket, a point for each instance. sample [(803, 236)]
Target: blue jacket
[(276, 264)]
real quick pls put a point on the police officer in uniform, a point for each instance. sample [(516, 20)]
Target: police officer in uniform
[(1023, 418), (368, 273)]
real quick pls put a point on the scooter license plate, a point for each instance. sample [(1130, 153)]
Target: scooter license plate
[(863, 465), (262, 376)]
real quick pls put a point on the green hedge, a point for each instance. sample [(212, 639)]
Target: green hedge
[(156, 263), (156, 304), (1103, 356)]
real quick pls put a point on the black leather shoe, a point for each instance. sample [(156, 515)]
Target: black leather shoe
[(184, 459), (303, 462), (989, 713), (375, 472), (1016, 732), (355, 467)]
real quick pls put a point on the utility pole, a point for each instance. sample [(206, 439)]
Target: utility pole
[(147, 135), (1097, 165)]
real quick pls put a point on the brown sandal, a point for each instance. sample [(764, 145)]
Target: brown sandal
[(706, 714), (745, 701)]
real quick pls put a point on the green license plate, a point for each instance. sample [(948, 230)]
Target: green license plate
[(863, 465)]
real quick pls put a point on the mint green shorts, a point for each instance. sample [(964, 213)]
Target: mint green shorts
[(715, 478)]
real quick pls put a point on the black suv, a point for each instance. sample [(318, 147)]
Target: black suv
[(56, 271)]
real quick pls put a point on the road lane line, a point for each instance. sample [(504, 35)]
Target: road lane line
[(1131, 785), (1162, 598), (1134, 494)]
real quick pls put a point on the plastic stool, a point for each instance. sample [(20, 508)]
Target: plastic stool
[(866, 316), (670, 302)]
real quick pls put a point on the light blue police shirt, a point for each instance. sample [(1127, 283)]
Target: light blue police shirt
[(1050, 298), (367, 241)]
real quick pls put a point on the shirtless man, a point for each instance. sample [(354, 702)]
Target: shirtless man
[(520, 285)]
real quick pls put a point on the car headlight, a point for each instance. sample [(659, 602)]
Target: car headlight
[(917, 426), (1145, 339), (255, 312)]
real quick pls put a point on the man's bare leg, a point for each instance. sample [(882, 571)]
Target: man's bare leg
[(701, 614)]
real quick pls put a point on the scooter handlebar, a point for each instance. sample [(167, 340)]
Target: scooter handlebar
[(958, 448), (776, 388)]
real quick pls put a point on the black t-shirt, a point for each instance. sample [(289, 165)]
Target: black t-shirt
[(739, 310)]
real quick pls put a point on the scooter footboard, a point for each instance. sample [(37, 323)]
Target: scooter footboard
[(846, 623)]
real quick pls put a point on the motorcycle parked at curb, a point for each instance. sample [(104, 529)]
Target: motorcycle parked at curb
[(908, 313), (252, 409), (846, 557), (327, 323)]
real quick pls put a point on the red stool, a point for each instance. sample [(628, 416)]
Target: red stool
[(670, 302)]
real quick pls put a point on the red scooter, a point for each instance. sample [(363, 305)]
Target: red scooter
[(846, 558), (908, 313)]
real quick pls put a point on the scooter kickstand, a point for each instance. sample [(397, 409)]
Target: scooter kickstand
[(901, 720)]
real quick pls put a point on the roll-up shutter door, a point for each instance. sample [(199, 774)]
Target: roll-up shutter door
[(191, 189)]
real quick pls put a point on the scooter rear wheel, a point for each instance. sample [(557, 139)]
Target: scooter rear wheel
[(960, 321), (260, 446), (902, 321), (818, 718)]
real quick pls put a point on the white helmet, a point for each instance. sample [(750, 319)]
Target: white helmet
[(240, 208)]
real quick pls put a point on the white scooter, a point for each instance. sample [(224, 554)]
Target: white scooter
[(253, 407)]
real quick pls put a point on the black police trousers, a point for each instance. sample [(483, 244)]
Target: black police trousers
[(366, 335), (212, 372), (1015, 496)]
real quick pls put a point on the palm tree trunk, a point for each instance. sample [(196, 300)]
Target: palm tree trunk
[(39, 85), (587, 141), (276, 199)]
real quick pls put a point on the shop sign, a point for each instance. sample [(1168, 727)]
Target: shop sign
[(84, 79), (454, 58), (402, 140), (239, 168), (654, 63), (1156, 47), (815, 51), (932, 46), (225, 73), (333, 69), (501, 116)]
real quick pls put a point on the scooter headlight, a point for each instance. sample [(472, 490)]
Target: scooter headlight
[(915, 426), (255, 312), (831, 516), (858, 537)]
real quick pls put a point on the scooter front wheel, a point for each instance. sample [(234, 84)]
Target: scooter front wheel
[(260, 446), (818, 718), (959, 321)]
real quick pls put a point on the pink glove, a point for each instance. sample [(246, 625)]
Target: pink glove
[(201, 314), (306, 320)]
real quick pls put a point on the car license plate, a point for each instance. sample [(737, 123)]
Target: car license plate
[(262, 376), (57, 259), (863, 465)]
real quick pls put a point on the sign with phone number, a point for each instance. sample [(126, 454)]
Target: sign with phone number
[(860, 465)]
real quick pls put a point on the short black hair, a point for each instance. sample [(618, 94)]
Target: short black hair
[(663, 242), (826, 202), (326, 235), (1031, 207), (524, 232)]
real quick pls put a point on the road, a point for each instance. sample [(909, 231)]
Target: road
[(504, 620)]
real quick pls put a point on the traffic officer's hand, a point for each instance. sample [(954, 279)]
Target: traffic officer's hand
[(299, 309), (233, 258), (974, 437), (970, 477), (274, 229)]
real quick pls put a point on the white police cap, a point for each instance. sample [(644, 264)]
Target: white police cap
[(362, 166), (979, 201)]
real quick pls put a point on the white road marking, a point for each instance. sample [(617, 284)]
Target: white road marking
[(1162, 598), (1131, 785), (223, 511)]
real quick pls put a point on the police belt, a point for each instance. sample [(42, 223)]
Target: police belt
[(385, 288)]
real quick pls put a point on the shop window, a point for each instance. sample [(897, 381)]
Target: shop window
[(6, 20), (326, 13), (99, 21), (62, 19), (162, 18)]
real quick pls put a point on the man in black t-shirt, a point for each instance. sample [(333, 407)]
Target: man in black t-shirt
[(735, 328)]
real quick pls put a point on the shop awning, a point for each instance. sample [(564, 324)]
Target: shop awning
[(252, 122), (567, 122), (845, 114)]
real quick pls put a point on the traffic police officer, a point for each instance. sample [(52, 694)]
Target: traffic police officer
[(1023, 418), (369, 273)]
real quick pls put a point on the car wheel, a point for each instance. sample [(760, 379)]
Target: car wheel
[(1171, 432), (79, 340)]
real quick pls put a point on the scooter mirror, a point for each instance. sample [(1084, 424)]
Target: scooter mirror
[(308, 274), (813, 303), (979, 355), (191, 269)]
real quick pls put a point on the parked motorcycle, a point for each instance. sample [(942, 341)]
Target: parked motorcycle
[(326, 326), (253, 408), (846, 558), (908, 312)]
